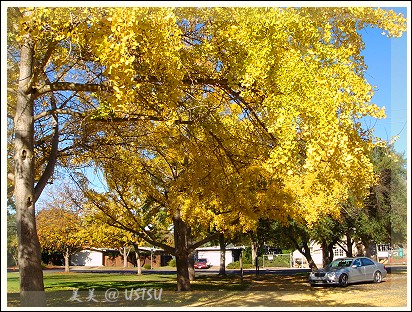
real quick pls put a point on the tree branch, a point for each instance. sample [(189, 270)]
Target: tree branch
[(10, 176), (49, 170), (203, 241), (46, 58), (71, 86), (152, 241)]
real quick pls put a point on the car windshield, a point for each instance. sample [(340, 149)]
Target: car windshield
[(202, 260), (338, 263)]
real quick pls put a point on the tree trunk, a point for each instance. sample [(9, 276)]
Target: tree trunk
[(325, 253), (180, 239), (139, 263), (125, 254), (349, 246), (191, 266), (191, 259), (66, 261), (308, 256), (29, 258), (222, 269), (330, 250), (254, 251), (367, 249)]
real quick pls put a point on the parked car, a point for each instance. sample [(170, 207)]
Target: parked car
[(344, 271), (202, 264)]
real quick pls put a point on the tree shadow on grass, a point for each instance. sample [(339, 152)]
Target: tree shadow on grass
[(85, 290), (266, 290)]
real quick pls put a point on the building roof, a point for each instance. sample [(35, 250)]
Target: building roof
[(218, 248)]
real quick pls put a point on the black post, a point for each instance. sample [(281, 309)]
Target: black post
[(241, 265), (257, 265)]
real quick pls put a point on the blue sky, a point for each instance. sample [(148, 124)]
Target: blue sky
[(386, 59)]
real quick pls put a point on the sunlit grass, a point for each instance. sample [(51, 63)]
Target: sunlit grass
[(61, 287), (102, 281), (80, 290)]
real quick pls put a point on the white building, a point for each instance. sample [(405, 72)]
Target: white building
[(212, 254), (299, 260), (87, 257)]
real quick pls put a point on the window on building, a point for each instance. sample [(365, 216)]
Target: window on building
[(338, 252)]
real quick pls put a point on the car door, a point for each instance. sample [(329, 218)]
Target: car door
[(357, 272), (369, 268)]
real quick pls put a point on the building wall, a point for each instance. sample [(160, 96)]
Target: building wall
[(87, 258), (116, 261), (316, 252), (213, 256), (100, 258), (299, 260)]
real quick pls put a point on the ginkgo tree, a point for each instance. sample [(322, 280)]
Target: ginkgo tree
[(150, 190), (59, 222), (296, 75), (60, 230), (101, 234)]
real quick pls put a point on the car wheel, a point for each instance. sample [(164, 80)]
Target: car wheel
[(377, 277), (343, 280)]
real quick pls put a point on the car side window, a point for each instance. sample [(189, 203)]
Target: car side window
[(366, 261), (357, 262)]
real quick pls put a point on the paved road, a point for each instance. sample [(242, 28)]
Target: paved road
[(213, 270), (286, 271), (282, 271)]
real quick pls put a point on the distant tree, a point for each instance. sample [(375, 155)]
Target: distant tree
[(103, 235), (384, 214), (61, 230), (292, 234), (12, 240), (61, 226), (327, 231), (381, 217)]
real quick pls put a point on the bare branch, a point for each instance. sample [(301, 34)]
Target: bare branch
[(51, 162), (203, 241), (12, 90)]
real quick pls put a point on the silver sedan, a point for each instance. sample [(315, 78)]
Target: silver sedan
[(344, 271)]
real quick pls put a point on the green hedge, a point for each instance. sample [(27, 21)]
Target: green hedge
[(236, 265), (277, 261), (172, 262)]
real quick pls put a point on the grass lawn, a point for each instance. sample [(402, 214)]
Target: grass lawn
[(100, 289), (110, 291)]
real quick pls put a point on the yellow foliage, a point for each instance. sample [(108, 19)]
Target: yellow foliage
[(228, 113), (60, 230)]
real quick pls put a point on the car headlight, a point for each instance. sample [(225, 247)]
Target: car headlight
[(331, 275)]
